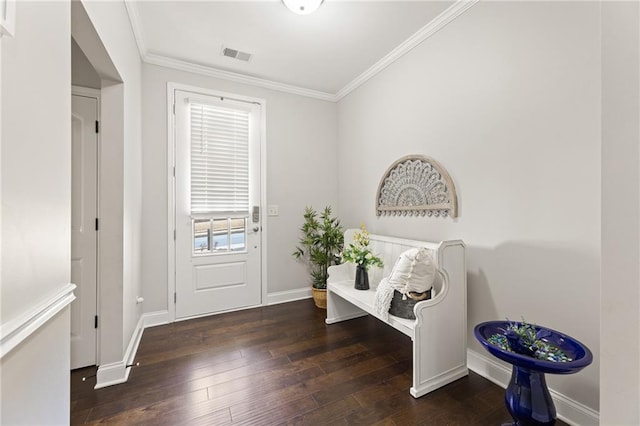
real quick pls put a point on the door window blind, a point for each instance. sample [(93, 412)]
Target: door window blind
[(219, 160)]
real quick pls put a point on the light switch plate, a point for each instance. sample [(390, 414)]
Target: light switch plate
[(273, 210)]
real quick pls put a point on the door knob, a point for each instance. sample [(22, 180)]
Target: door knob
[(256, 228)]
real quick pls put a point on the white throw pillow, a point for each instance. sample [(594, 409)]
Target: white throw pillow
[(414, 271)]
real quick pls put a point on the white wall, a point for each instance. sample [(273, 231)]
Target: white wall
[(36, 208), (0, 182), (35, 377), (82, 73), (507, 98), (301, 170), (36, 157), (111, 22), (620, 293)]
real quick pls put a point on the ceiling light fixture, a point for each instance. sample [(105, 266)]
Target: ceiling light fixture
[(302, 7)]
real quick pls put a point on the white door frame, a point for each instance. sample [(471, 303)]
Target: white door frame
[(95, 93), (171, 214)]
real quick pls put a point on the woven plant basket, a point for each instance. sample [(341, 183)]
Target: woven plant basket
[(320, 297)]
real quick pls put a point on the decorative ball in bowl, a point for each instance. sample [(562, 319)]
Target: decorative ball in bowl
[(532, 351), (578, 354)]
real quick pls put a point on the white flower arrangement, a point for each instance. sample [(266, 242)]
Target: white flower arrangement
[(358, 251)]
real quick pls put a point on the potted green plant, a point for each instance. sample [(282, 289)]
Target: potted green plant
[(320, 245)]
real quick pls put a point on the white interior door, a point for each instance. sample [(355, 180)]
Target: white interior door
[(218, 213), (84, 157)]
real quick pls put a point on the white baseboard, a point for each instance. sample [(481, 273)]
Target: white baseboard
[(132, 349), (288, 296), (334, 320), (438, 381), (118, 372), (151, 319), (568, 410), (488, 368), (111, 374)]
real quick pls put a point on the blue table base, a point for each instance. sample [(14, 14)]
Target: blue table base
[(528, 399)]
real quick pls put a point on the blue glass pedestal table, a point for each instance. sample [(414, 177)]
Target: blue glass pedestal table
[(527, 396)]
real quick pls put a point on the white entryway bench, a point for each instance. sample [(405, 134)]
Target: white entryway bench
[(439, 332)]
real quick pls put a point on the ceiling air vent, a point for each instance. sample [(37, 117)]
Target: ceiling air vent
[(236, 54)]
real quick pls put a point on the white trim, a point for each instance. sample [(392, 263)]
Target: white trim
[(134, 19), (211, 314), (439, 22), (118, 372), (171, 244), (574, 413), (171, 205), (132, 348), (488, 368), (568, 410), (8, 18), (438, 381), (111, 374), (152, 319), (263, 202), (88, 92), (16, 330), (151, 58), (288, 296)]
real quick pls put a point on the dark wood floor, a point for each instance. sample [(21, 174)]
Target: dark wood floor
[(279, 365)]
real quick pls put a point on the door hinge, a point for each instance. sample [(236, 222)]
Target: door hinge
[(97, 224), (174, 108), (95, 322), (174, 171), (97, 126), (174, 235), (175, 297)]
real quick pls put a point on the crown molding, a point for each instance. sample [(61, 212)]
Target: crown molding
[(138, 34), (180, 65), (451, 13), (439, 22), (154, 59)]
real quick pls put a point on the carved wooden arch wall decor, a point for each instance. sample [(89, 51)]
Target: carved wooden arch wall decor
[(416, 185)]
